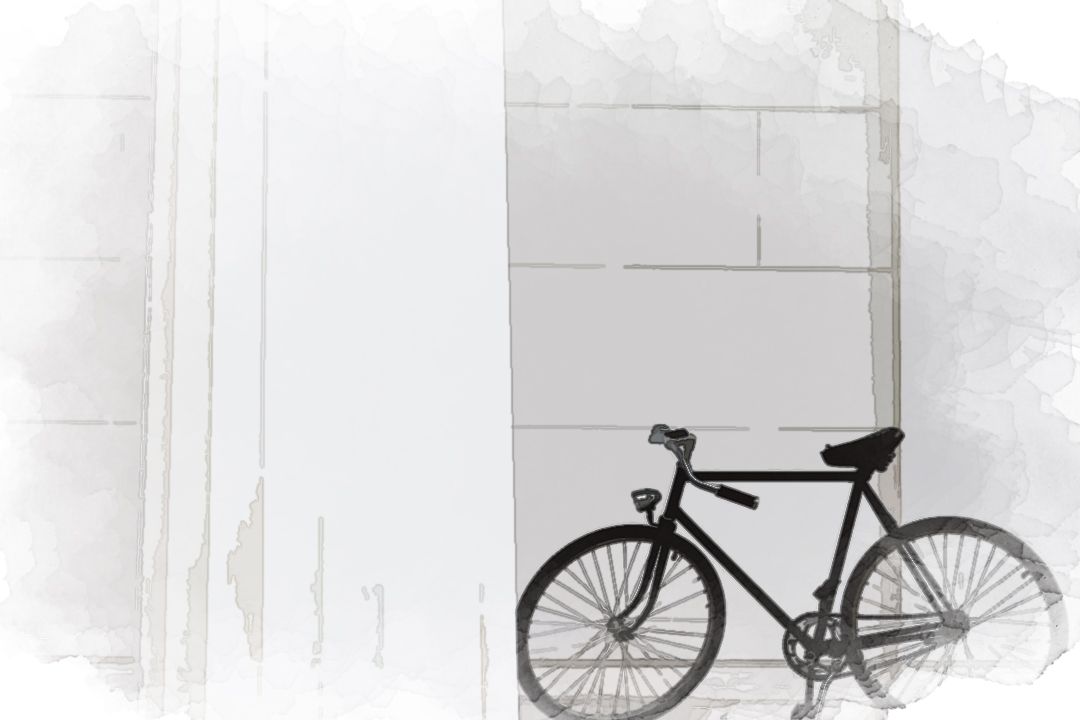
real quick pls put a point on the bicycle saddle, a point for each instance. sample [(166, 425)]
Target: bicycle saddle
[(875, 450)]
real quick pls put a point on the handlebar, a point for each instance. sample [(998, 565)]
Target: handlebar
[(681, 442)]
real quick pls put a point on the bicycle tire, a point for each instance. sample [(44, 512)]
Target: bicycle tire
[(553, 703), (1008, 556)]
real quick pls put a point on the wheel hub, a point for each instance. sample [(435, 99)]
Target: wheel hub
[(619, 630), (955, 624)]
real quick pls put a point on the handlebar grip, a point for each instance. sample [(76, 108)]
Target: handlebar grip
[(737, 496)]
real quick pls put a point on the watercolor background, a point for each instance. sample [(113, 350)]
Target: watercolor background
[(253, 260)]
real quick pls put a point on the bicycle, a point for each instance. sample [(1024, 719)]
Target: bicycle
[(907, 608)]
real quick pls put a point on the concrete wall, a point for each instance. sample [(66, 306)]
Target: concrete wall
[(697, 236)]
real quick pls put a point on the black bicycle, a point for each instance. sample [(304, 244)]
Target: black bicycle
[(624, 622)]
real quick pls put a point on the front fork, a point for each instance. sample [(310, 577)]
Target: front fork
[(649, 588)]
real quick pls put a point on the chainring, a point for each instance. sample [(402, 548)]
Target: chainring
[(818, 669)]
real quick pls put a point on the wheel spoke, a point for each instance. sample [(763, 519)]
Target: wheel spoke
[(1008, 575), (600, 580), (882, 606), (900, 580), (600, 690), (945, 567), (670, 643), (641, 672), (672, 578), (578, 595), (588, 587), (578, 617), (1013, 606), (614, 582), (592, 588), (624, 655), (626, 570), (646, 648), (679, 602), (591, 643), (619, 683), (915, 669), (557, 631), (886, 623), (956, 570), (569, 609), (662, 631), (982, 576), (584, 677), (971, 573), (671, 569), (882, 667), (937, 558), (608, 647)]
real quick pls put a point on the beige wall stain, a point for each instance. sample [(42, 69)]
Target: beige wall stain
[(246, 573)]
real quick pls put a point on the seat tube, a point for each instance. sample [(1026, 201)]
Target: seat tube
[(843, 542)]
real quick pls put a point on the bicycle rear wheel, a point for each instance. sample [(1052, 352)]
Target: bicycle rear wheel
[(574, 661), (999, 616)]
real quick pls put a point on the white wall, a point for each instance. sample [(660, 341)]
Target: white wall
[(348, 546)]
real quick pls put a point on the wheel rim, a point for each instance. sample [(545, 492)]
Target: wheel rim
[(1001, 623), (581, 657)]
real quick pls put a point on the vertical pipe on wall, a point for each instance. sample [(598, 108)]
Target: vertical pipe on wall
[(178, 425), (884, 151)]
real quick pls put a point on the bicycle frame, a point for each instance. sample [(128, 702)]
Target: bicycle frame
[(674, 516)]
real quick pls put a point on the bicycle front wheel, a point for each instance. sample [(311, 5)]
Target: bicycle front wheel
[(950, 596), (575, 661)]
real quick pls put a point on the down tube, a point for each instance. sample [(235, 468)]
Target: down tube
[(743, 579)]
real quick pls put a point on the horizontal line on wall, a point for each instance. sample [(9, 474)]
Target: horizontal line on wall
[(558, 266), (76, 422), (819, 109), (526, 103), (797, 428), (814, 109), (731, 428), (61, 258), (709, 702), (750, 663), (79, 96), (763, 268), (93, 659), (664, 662)]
